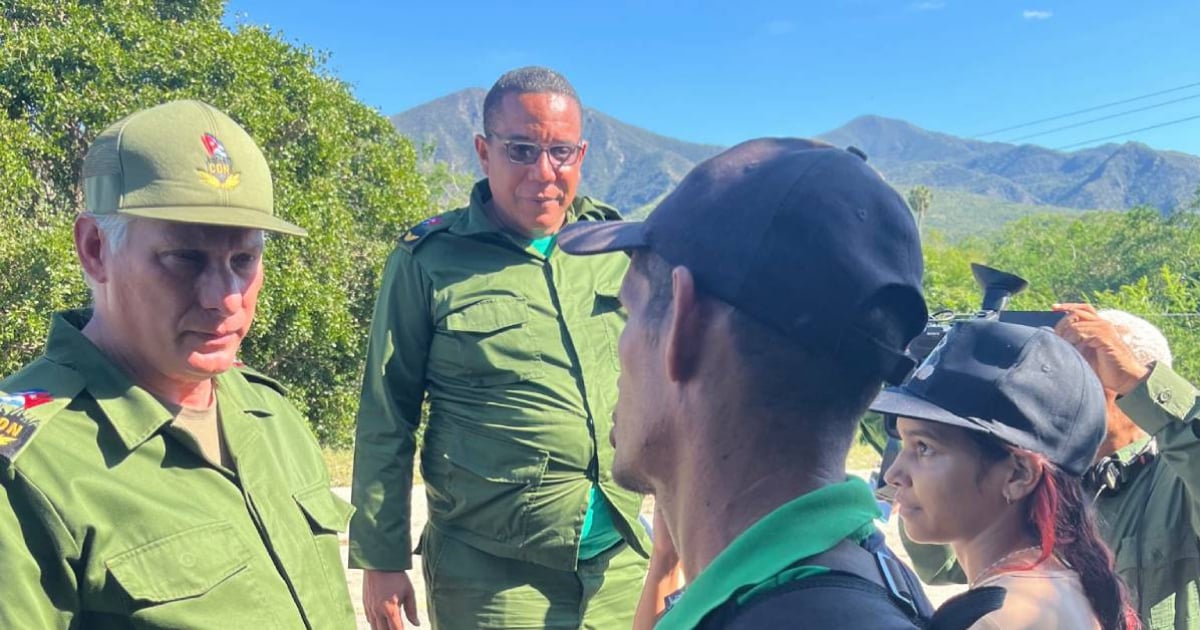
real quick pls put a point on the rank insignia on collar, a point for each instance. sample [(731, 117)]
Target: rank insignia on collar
[(15, 430), (218, 168)]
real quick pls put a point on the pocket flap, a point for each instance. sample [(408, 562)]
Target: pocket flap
[(1157, 550), (609, 285), (185, 564), (496, 460), (325, 509), (489, 315), (608, 296)]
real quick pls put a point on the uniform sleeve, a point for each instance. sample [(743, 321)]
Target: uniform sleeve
[(1166, 406), (934, 564), (388, 417), (40, 590)]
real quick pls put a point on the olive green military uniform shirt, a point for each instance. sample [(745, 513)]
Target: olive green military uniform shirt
[(1153, 523), (518, 355), (111, 518)]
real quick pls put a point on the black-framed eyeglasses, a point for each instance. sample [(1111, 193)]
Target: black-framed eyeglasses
[(526, 153)]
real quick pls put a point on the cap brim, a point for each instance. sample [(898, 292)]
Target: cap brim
[(896, 401), (225, 216), (599, 237)]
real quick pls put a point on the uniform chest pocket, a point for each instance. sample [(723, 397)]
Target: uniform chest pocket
[(327, 513), (493, 342), (608, 319), (1165, 563), (199, 573)]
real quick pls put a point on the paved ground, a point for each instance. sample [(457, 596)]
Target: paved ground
[(354, 577)]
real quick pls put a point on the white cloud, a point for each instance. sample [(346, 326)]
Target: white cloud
[(1034, 14), (927, 5), (780, 27)]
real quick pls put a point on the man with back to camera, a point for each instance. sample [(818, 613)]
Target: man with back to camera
[(769, 296), (515, 346), (147, 480), (1145, 475)]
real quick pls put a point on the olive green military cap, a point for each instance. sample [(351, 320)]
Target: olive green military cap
[(183, 161)]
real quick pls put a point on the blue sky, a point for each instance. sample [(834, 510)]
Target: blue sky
[(722, 72)]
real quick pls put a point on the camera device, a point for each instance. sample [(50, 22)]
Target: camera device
[(998, 289)]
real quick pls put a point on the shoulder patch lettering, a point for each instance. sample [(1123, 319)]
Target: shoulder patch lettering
[(15, 430)]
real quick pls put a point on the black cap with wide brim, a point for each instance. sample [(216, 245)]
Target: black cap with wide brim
[(897, 401), (1024, 386), (587, 237), (777, 226)]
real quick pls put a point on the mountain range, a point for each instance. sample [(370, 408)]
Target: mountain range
[(632, 168)]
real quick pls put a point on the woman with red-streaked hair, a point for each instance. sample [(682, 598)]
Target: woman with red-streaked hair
[(998, 425)]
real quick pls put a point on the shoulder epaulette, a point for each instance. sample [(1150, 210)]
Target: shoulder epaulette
[(258, 378), (417, 233), (599, 211), (24, 411)]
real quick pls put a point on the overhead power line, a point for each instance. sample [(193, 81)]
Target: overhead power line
[(1108, 117), (1126, 133), (1087, 110)]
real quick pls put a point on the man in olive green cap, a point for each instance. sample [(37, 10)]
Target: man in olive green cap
[(147, 479), (515, 346)]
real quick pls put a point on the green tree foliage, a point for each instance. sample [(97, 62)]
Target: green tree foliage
[(68, 68), (448, 188), (1072, 258), (1138, 261), (1171, 301), (948, 282)]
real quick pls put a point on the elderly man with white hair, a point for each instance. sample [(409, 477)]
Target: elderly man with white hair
[(1146, 477)]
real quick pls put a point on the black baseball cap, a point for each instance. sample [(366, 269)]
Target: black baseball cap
[(797, 234), (1025, 386)]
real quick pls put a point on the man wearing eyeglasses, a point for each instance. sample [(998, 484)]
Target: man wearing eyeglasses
[(515, 347)]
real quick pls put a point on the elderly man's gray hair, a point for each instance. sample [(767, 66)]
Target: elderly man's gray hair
[(1143, 338), (115, 228), (527, 80)]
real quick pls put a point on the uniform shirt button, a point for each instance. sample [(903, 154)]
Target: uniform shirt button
[(1164, 396), (187, 560)]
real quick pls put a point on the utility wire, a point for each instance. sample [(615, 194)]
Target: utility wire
[(1109, 117), (1126, 133), (1086, 110)]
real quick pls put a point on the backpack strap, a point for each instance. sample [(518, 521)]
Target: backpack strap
[(875, 563), (963, 610), (879, 567)]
